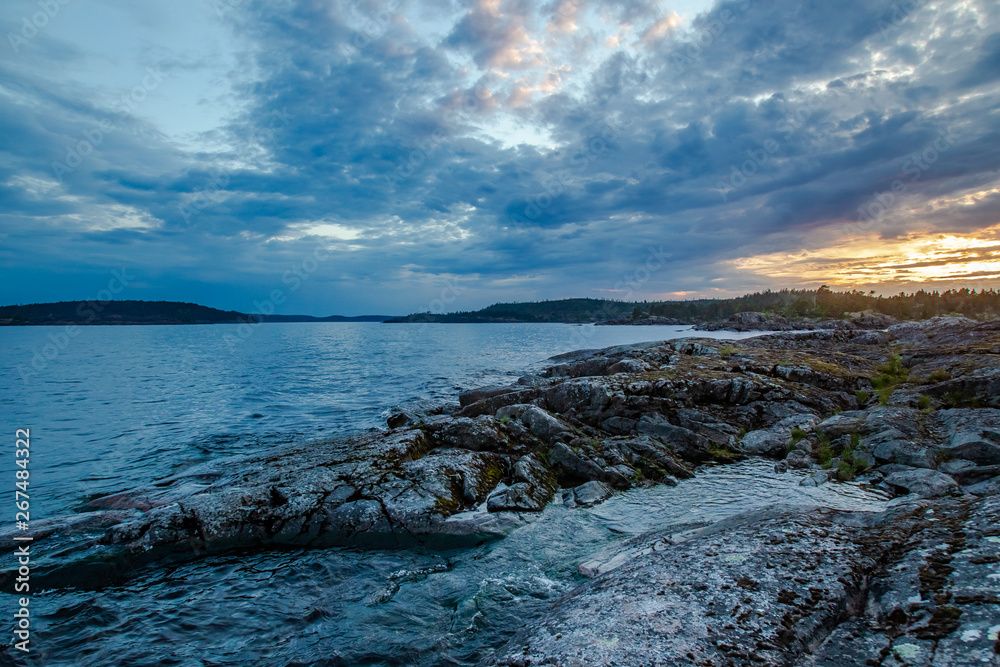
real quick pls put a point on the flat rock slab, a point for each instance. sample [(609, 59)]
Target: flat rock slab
[(939, 604), (908, 587)]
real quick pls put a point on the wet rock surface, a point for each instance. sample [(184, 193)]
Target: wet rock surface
[(911, 586), (912, 411)]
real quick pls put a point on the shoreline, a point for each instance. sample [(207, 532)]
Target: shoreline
[(911, 411)]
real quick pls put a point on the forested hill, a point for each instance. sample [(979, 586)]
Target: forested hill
[(146, 312), (563, 310), (792, 304)]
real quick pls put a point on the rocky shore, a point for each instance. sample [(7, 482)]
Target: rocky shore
[(770, 322), (912, 411)]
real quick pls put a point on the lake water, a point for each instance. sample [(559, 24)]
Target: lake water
[(121, 406), (113, 408)]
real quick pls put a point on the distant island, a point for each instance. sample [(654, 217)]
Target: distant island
[(146, 312), (783, 309), (780, 310)]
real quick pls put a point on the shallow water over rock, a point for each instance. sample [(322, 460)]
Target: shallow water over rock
[(346, 606)]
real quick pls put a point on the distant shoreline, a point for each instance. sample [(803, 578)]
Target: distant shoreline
[(785, 310), (132, 313), (346, 320)]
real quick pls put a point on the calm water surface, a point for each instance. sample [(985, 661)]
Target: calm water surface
[(122, 406)]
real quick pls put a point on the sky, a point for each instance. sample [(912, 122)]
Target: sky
[(323, 157)]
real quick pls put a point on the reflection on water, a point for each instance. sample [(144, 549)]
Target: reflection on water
[(354, 607)]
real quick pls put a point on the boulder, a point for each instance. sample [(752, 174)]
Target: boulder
[(845, 423), (650, 453), (707, 425), (798, 459), (519, 497), (688, 444), (398, 419), (587, 495), (904, 452), (480, 475), (924, 483), (979, 446), (774, 441), (494, 400), (538, 421), (871, 338), (619, 425), (990, 487), (629, 366), (473, 434), (476, 395), (818, 478), (573, 464), (966, 472), (531, 471)]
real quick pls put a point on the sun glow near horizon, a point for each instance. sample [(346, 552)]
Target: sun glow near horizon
[(871, 260)]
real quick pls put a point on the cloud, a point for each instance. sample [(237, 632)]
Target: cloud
[(508, 145)]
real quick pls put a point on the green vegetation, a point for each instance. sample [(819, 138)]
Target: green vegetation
[(722, 454), (960, 399), (821, 303), (863, 397), (847, 472), (924, 402), (798, 435), (938, 376), (885, 395), (849, 466), (824, 453), (446, 506), (847, 455), (727, 350), (890, 375), (562, 310), (505, 420)]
